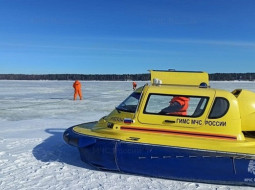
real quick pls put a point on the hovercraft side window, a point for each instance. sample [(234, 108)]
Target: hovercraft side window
[(220, 108), (175, 105), (130, 103)]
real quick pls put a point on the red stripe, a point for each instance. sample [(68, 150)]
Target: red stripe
[(182, 133)]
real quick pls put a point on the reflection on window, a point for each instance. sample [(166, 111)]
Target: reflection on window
[(220, 108), (130, 104), (176, 105)]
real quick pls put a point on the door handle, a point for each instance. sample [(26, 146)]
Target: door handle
[(169, 121)]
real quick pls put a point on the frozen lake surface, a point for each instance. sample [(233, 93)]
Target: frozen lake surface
[(33, 155)]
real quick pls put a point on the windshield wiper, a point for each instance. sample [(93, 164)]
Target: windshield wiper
[(121, 109), (117, 109)]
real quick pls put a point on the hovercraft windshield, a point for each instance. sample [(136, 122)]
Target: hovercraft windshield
[(130, 103)]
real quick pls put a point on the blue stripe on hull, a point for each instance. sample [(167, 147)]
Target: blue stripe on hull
[(175, 163), (164, 162)]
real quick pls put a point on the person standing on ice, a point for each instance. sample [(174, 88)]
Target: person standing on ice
[(77, 90), (134, 85)]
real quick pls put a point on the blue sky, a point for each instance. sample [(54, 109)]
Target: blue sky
[(128, 36)]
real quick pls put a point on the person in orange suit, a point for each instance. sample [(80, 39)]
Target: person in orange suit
[(134, 85), (178, 106), (77, 90)]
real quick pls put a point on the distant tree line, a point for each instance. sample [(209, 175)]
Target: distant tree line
[(104, 77), (232, 76), (119, 77)]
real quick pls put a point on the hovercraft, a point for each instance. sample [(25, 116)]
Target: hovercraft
[(212, 141)]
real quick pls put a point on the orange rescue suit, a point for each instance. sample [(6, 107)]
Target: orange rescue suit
[(134, 85), (184, 102), (77, 89)]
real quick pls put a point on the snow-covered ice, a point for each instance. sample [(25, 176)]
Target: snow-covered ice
[(33, 155)]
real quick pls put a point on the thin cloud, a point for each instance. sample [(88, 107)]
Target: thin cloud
[(209, 42), (105, 49), (188, 41), (137, 41)]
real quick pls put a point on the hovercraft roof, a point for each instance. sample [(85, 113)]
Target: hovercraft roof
[(172, 77)]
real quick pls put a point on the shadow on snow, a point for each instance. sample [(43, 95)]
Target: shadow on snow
[(54, 149)]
